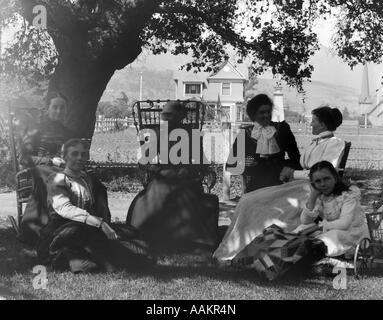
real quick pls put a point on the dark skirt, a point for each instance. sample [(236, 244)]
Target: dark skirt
[(35, 215), (74, 246), (262, 173), (174, 214)]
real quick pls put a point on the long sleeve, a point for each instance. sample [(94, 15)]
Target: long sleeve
[(301, 174), (29, 144), (309, 216), (333, 151), (346, 215), (59, 199), (290, 146)]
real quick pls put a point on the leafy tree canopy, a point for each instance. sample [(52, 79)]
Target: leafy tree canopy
[(91, 38)]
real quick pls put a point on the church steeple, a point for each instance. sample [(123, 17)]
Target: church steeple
[(365, 96)]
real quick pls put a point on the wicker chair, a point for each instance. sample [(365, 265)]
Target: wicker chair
[(343, 161), (147, 115), (18, 120)]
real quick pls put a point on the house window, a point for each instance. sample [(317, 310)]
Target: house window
[(239, 109), (226, 88), (192, 88)]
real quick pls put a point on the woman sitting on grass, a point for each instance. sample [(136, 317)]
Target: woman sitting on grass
[(79, 234), (344, 223)]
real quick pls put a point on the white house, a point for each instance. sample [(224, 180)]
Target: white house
[(222, 90)]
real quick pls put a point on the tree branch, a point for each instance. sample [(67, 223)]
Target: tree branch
[(227, 34)]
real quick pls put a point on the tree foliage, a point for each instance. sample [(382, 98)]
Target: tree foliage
[(90, 39), (283, 40)]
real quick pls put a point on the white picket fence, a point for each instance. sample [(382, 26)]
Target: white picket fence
[(118, 124), (113, 124)]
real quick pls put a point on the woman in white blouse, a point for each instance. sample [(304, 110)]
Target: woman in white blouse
[(282, 204)]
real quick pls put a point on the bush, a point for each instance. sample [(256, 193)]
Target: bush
[(361, 121), (7, 174)]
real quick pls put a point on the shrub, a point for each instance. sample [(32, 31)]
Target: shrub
[(7, 174)]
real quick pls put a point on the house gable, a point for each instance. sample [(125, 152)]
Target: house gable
[(227, 71)]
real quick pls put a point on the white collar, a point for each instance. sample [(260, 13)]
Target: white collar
[(325, 134), (321, 136)]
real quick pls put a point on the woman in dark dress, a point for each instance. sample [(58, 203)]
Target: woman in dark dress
[(41, 150), (79, 234), (173, 212), (266, 144)]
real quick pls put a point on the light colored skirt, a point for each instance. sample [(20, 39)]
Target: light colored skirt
[(339, 242), (281, 205)]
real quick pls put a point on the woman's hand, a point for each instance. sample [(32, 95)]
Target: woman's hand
[(58, 162), (108, 231), (312, 198), (287, 174), (314, 192)]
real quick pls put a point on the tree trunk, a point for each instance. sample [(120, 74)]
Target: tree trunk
[(82, 78), (87, 60), (83, 83)]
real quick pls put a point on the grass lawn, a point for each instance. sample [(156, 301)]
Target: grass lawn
[(191, 276)]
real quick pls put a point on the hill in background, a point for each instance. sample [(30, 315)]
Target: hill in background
[(333, 82), (159, 84), (316, 94)]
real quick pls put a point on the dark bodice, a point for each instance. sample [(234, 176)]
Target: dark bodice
[(43, 143), (188, 170), (52, 135), (261, 172), (285, 140)]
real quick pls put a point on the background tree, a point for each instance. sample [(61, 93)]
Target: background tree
[(346, 114), (87, 40)]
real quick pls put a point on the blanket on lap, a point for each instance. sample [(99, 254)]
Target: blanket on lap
[(276, 253)]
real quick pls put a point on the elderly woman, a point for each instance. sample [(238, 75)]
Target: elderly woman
[(266, 144), (172, 212), (41, 150), (79, 234), (283, 204)]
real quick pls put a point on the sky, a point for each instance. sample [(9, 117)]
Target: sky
[(337, 71)]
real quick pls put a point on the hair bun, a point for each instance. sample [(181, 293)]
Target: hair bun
[(337, 116)]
